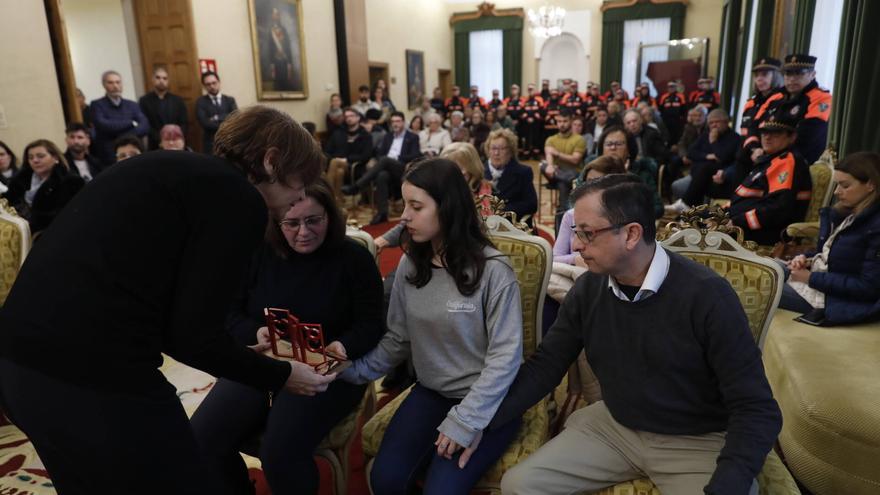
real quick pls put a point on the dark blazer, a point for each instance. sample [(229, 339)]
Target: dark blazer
[(58, 189), (138, 264), (652, 145), (113, 121), (160, 112), (210, 117), (359, 149), (516, 187), (408, 152), (95, 165), (852, 283)]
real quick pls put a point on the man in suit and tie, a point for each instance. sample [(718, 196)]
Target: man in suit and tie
[(212, 109), (398, 148)]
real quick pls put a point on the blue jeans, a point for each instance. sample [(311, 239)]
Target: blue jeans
[(408, 449), (791, 300)]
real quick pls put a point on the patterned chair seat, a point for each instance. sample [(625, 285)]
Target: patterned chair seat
[(15, 242)]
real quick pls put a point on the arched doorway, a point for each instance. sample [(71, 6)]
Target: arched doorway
[(564, 57)]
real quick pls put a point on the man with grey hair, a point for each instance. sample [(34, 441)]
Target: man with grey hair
[(649, 140), (434, 137), (114, 117)]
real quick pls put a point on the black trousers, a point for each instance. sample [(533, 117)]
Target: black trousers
[(701, 182), (386, 174), (235, 415), (534, 132), (106, 441)]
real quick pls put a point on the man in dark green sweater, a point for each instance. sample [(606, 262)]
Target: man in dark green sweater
[(685, 398)]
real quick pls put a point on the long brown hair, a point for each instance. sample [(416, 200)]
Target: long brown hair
[(864, 166), (606, 165), (50, 147), (247, 134)]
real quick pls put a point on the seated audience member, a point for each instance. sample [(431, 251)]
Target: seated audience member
[(468, 160), (463, 374), (504, 120), (511, 180), (577, 127), (114, 116), (346, 148), (478, 129), (693, 129), (617, 142), (377, 132), (595, 127), (710, 156), (424, 107), (842, 276), (777, 192), (434, 138), (8, 164), (802, 100), (399, 148), (171, 138), (563, 248), (43, 186), (491, 120), (311, 269), (673, 110), (212, 109), (364, 102), (417, 124), (335, 117), (161, 107), (437, 102), (651, 118), (457, 130), (614, 113), (80, 161), (564, 154), (694, 411), (127, 147), (649, 142)]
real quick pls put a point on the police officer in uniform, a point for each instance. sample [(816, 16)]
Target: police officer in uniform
[(767, 76), (533, 123), (455, 103), (673, 110)]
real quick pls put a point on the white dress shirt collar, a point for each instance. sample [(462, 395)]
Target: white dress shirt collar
[(653, 279)]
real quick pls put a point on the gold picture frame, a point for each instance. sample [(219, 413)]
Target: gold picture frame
[(279, 51)]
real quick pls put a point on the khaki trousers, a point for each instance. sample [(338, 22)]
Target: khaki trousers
[(594, 451)]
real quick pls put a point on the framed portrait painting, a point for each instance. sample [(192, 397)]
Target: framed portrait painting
[(415, 77), (279, 50)]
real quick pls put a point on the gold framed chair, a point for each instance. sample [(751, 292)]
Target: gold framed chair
[(15, 243), (531, 257), (822, 175)]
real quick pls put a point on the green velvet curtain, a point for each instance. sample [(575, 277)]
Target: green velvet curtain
[(511, 27), (730, 22), (856, 103), (803, 25), (764, 28), (612, 32), (742, 64)]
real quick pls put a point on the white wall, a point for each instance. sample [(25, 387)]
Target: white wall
[(99, 41), (29, 92), (223, 33), (394, 26)]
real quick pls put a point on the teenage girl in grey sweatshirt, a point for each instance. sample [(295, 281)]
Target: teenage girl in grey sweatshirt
[(455, 310)]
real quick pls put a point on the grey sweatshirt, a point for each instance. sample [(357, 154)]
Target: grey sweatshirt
[(461, 347)]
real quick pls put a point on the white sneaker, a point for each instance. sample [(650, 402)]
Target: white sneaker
[(677, 208)]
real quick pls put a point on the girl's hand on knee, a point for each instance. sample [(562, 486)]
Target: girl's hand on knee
[(446, 446)]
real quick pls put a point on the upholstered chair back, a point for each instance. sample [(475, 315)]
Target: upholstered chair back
[(821, 173), (15, 242)]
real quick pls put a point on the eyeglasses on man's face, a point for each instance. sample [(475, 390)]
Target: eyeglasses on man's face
[(293, 224), (588, 236)]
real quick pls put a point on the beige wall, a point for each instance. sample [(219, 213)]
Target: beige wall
[(394, 26), (223, 33), (29, 91), (703, 20)]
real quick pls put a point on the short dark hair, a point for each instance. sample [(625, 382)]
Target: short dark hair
[(625, 199), (362, 88), (13, 160), (354, 110), (311, 127), (397, 113), (632, 145), (209, 73), (322, 193), (373, 114), (565, 112), (76, 127), (128, 139)]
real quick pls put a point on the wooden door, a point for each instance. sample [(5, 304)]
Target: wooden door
[(167, 39), (444, 80)]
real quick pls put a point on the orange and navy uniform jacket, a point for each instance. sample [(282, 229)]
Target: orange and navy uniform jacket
[(709, 99), (673, 106), (810, 109), (624, 104), (574, 102), (495, 103), (609, 96), (514, 107), (591, 104), (475, 102), (455, 104), (552, 107), (533, 107), (775, 194), (650, 99), (750, 109)]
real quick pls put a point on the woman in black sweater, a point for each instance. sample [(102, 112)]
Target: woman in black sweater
[(311, 269)]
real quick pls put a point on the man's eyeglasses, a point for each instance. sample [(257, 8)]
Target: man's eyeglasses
[(293, 224), (588, 236), (614, 144)]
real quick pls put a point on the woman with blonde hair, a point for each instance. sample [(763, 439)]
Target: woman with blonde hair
[(468, 160), (43, 186)]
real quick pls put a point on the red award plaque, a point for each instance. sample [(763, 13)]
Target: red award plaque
[(304, 342)]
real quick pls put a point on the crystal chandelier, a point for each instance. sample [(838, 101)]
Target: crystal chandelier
[(546, 22)]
